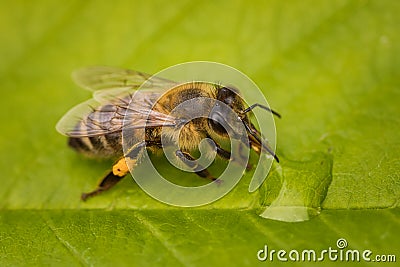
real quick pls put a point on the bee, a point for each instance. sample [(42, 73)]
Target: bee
[(95, 127)]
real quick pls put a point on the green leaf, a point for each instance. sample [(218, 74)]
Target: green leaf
[(185, 237), (330, 68)]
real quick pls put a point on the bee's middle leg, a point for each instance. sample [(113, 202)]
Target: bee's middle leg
[(186, 158)]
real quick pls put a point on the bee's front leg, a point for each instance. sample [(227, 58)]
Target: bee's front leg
[(222, 152), (227, 155), (186, 158)]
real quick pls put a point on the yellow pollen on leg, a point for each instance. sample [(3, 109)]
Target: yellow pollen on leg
[(120, 168)]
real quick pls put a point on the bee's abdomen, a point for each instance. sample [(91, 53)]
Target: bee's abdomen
[(101, 146)]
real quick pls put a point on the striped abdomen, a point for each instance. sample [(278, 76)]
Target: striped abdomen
[(99, 134), (102, 146)]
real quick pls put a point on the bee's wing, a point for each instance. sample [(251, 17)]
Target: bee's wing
[(103, 78), (107, 115), (114, 97)]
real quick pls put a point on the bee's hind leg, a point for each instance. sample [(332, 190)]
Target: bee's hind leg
[(199, 170), (120, 170), (108, 182)]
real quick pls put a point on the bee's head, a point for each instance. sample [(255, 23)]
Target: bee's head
[(231, 98), (220, 116)]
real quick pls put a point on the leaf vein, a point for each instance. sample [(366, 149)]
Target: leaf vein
[(158, 234), (70, 248)]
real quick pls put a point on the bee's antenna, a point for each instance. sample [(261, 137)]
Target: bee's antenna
[(263, 107)]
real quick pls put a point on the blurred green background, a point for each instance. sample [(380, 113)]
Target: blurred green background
[(331, 68)]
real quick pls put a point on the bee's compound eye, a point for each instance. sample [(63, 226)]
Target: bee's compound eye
[(217, 127), (215, 121), (226, 96)]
